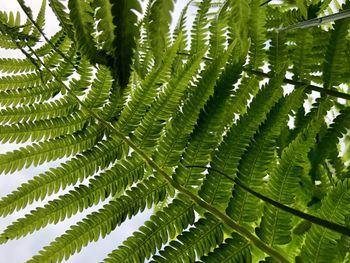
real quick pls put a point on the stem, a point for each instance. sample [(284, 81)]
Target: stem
[(313, 219), (332, 92)]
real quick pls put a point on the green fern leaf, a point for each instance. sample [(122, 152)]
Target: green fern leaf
[(165, 104), (259, 158), (276, 225), (69, 173), (43, 129), (199, 30), (179, 128), (59, 10), (235, 250), (81, 16), (105, 26), (104, 221), (198, 241), (51, 150), (210, 127), (218, 190), (101, 187), (145, 92), (159, 23), (320, 241), (162, 226), (126, 32), (62, 107)]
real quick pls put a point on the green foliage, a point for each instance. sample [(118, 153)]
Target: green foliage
[(134, 113)]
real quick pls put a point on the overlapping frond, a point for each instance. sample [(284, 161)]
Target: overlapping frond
[(162, 227), (194, 243), (124, 14), (104, 221), (235, 249), (159, 25), (112, 181), (194, 122), (81, 15), (335, 207), (260, 157), (69, 173)]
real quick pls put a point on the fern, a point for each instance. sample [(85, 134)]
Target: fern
[(195, 123)]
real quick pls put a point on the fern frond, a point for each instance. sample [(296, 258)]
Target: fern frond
[(62, 16), (210, 127), (335, 58), (126, 32), (197, 241), (235, 249), (145, 92), (331, 137), (159, 23), (165, 104), (283, 183), (320, 241), (23, 80), (29, 96), (51, 150), (238, 24), (81, 16), (38, 111), (199, 35), (68, 173), (105, 26), (107, 184), (217, 29), (6, 42), (178, 130), (258, 159), (79, 86), (40, 20), (217, 190), (100, 89), (13, 65), (43, 129), (104, 221), (256, 32), (161, 227)]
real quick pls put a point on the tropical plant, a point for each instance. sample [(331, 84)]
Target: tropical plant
[(216, 129)]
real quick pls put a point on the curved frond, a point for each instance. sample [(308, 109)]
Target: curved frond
[(81, 15), (43, 129), (104, 221), (126, 31), (235, 250), (162, 226), (256, 162), (319, 241), (105, 26), (159, 24), (51, 150), (196, 242), (282, 186), (38, 111), (68, 173), (217, 190), (107, 184)]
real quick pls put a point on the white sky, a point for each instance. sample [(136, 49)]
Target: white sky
[(18, 251)]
